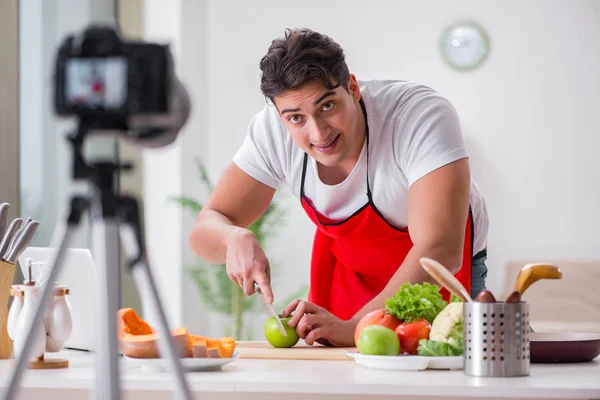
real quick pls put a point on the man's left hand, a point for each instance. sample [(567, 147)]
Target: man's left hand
[(316, 324)]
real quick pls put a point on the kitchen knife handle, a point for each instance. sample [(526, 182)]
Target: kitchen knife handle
[(12, 229), (3, 217), (257, 288), (17, 235), (21, 243)]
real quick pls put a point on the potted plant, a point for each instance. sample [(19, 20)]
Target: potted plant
[(216, 289)]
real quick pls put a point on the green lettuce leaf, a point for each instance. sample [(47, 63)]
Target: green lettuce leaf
[(413, 302), (454, 298), (433, 348)]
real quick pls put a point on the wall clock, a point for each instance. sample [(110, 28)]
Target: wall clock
[(464, 45)]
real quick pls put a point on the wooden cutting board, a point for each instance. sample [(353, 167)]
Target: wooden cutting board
[(300, 351)]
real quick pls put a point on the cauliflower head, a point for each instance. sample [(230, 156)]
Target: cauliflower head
[(447, 327)]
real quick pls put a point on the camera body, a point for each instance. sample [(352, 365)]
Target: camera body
[(100, 76)]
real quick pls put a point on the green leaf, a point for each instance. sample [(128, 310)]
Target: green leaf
[(224, 288), (434, 348), (413, 302), (188, 204), (205, 280), (204, 177), (455, 299)]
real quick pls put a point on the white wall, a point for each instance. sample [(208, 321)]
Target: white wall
[(32, 135), (171, 171), (529, 113), (162, 177)]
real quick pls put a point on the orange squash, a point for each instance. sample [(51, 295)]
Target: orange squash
[(128, 322), (224, 346), (198, 346), (227, 347), (146, 346), (138, 340)]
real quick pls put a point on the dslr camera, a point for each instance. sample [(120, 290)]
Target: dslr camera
[(113, 84)]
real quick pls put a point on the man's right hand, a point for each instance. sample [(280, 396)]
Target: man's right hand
[(220, 234), (247, 263)]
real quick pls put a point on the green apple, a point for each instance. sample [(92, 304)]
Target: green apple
[(378, 340), (275, 337)]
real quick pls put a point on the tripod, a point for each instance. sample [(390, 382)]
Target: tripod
[(113, 216)]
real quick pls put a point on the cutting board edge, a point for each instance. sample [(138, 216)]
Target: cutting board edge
[(263, 350)]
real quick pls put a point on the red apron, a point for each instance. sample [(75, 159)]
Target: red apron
[(354, 259)]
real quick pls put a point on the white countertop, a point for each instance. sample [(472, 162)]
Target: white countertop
[(299, 379)]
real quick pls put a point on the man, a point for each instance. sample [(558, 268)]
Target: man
[(380, 167)]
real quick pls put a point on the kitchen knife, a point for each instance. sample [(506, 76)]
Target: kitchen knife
[(3, 216), (18, 234), (270, 309), (21, 243), (8, 235)]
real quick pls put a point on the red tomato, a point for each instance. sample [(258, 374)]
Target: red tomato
[(377, 317), (410, 334)]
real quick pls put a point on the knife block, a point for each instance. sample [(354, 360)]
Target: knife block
[(7, 275)]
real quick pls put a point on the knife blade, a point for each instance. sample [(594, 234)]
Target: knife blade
[(21, 243), (8, 235), (270, 310), (3, 217)]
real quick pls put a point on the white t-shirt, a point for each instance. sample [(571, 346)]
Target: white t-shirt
[(412, 131)]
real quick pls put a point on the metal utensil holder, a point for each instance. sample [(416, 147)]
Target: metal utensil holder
[(496, 339)]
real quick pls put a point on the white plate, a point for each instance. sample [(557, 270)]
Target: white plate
[(406, 362), (189, 364), (456, 362)]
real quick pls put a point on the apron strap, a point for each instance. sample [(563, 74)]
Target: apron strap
[(364, 111), (303, 175)]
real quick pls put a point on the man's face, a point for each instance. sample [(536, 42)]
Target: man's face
[(324, 123)]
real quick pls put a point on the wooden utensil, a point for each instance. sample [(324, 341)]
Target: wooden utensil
[(445, 278), (301, 351), (514, 297), (531, 273), (485, 296)]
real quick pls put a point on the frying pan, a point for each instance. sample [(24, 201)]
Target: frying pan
[(563, 347)]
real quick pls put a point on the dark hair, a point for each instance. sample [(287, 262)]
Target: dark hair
[(302, 55)]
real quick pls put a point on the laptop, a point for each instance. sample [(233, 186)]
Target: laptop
[(79, 274)]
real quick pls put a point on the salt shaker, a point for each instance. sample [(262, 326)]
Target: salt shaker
[(61, 323), (31, 298), (13, 315)]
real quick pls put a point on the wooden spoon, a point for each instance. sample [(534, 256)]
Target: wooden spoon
[(531, 273), (445, 278)]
